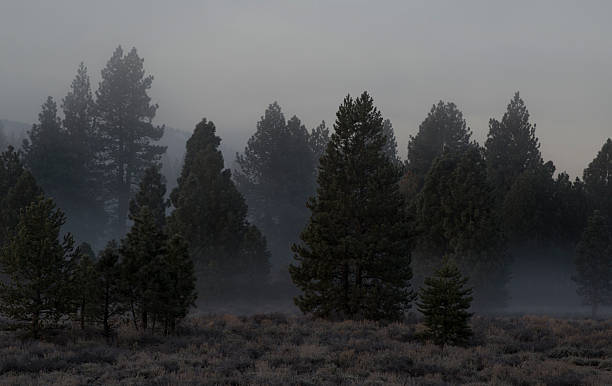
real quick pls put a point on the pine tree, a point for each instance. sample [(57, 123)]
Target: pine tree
[(142, 249), (48, 154), (276, 174), (444, 302), (571, 206), (594, 263), (456, 216), (17, 190), (39, 268), (444, 128), (86, 286), (211, 214), (319, 138), (390, 148), (354, 259), (151, 193), (83, 198), (124, 115), (511, 147), (178, 283), (529, 209), (109, 273), (598, 181)]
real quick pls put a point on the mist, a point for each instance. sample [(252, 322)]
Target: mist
[(228, 61)]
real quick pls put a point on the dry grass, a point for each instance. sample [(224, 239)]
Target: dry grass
[(276, 349)]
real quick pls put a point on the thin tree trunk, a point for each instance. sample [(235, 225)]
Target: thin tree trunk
[(133, 314), (144, 320), (82, 312), (105, 317)]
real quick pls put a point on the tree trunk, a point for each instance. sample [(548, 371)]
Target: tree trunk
[(144, 320), (106, 307), (345, 289), (134, 314), (83, 313)]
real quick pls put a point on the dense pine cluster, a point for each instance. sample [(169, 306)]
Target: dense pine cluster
[(355, 227)]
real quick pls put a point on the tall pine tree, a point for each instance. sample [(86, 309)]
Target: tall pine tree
[(277, 174), (444, 128), (142, 250), (151, 193), (18, 189), (456, 217), (39, 268), (83, 197), (124, 116), (598, 181), (211, 214), (48, 154), (354, 259), (111, 301), (511, 147)]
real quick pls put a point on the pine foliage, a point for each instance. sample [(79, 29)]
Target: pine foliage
[(444, 302), (354, 259), (39, 267)]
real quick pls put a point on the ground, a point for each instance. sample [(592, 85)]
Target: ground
[(277, 349)]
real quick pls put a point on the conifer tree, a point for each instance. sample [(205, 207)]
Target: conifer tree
[(594, 263), (276, 174), (39, 268), (598, 181), (319, 138), (124, 116), (111, 301), (390, 148), (211, 213), (444, 128), (48, 154), (511, 147), (151, 193), (456, 217), (142, 249), (444, 302), (86, 285), (572, 207), (354, 259), (177, 286), (83, 198), (17, 190), (529, 210)]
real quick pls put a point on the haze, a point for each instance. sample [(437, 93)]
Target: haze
[(228, 60)]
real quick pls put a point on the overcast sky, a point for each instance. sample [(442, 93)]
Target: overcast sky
[(227, 60)]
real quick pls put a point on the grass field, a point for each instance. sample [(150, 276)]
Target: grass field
[(276, 349)]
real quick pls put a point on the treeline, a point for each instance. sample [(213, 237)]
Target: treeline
[(100, 165), (365, 228), (482, 207)]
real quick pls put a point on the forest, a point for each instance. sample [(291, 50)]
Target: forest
[(101, 231)]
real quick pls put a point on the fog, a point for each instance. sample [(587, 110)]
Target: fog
[(228, 60)]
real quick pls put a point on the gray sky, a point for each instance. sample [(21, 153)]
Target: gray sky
[(227, 60)]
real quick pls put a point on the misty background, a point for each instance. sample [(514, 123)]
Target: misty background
[(228, 60)]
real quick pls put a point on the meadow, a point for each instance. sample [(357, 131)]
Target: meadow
[(281, 349)]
